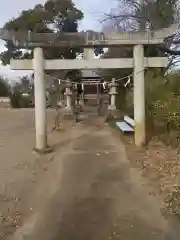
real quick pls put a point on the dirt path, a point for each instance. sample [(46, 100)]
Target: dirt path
[(94, 194)]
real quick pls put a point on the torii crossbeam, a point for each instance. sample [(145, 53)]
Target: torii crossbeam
[(24, 39)]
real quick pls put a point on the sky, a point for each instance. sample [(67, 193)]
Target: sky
[(93, 12)]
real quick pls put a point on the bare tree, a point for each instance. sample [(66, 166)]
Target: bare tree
[(152, 15)]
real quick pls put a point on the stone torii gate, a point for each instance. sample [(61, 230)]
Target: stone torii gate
[(88, 41)]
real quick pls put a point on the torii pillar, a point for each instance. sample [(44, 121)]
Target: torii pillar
[(139, 95), (40, 101), (88, 54), (139, 92)]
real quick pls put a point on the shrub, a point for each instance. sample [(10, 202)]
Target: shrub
[(15, 98), (4, 88), (162, 98)]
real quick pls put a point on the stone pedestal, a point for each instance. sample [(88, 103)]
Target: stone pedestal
[(68, 110), (113, 92), (81, 101)]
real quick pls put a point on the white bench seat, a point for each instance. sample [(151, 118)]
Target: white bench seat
[(129, 121), (123, 126), (127, 125)]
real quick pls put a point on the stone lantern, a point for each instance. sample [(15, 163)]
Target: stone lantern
[(113, 92), (68, 94)]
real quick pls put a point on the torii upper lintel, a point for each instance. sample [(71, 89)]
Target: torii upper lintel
[(25, 39)]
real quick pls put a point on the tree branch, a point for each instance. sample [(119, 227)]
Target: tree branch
[(169, 51)]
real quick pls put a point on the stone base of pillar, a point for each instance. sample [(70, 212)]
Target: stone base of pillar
[(113, 114), (112, 107), (81, 102), (68, 113), (68, 109), (43, 151)]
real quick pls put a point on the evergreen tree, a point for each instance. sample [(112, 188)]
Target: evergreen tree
[(54, 16), (4, 88)]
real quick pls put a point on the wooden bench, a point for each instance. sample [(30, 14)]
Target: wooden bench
[(127, 125)]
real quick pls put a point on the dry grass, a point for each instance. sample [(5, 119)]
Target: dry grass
[(160, 164)]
